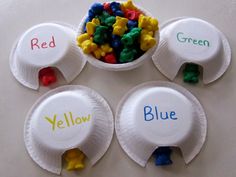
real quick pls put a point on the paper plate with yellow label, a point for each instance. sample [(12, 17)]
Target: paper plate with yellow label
[(65, 118)]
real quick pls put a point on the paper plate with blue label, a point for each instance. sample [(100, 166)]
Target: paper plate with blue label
[(191, 40), (160, 114), (66, 118)]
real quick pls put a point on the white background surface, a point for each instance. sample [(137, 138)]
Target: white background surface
[(218, 156)]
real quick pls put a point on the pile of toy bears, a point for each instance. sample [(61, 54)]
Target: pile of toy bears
[(117, 32)]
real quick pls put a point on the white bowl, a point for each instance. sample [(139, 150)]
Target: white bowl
[(124, 66), (192, 40), (160, 114), (46, 45), (65, 118)]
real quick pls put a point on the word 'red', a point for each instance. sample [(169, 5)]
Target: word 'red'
[(37, 44), (67, 121), (151, 113)]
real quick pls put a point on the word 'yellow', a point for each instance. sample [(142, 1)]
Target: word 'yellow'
[(67, 122)]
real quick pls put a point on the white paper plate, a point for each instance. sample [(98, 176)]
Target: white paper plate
[(192, 40), (46, 45), (140, 132), (65, 118)]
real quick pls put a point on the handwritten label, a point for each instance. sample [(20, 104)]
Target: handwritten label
[(67, 121), (36, 44), (153, 113), (181, 37)]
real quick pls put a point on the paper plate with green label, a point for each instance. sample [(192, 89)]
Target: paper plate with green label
[(66, 118), (160, 114), (192, 40)]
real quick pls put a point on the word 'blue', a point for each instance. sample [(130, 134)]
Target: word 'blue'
[(153, 113)]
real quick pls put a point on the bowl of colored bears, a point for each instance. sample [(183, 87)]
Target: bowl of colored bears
[(117, 36)]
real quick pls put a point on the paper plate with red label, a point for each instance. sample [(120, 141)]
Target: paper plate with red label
[(42, 46)]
